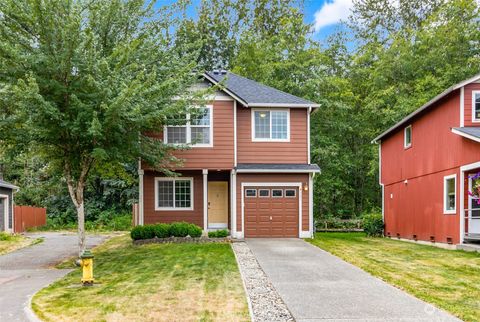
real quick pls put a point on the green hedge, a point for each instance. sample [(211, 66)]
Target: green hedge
[(218, 233), (176, 229), (373, 225)]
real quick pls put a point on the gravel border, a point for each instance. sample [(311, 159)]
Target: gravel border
[(180, 240), (264, 303)]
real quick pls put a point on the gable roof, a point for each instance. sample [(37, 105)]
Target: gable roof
[(253, 94), (7, 185), (427, 105)]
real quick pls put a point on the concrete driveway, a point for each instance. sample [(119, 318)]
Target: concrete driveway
[(28, 270), (316, 285)]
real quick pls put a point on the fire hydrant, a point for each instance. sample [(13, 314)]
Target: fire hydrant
[(87, 268)]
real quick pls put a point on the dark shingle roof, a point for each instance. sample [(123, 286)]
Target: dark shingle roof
[(5, 184), (275, 167), (469, 131), (253, 94)]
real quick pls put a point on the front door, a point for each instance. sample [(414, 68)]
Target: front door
[(474, 210), (217, 204)]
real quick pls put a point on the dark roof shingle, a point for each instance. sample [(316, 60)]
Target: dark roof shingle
[(469, 130), (254, 94)]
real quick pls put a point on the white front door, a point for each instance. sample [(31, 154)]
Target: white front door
[(473, 211)]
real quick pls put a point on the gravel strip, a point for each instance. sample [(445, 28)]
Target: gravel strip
[(264, 302)]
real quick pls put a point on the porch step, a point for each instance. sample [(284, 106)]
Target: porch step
[(469, 247)]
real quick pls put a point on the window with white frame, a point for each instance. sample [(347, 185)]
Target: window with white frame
[(270, 125), (449, 194), (196, 129), (173, 193), (476, 106), (407, 137)]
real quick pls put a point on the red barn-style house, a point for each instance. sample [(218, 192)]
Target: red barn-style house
[(430, 169)]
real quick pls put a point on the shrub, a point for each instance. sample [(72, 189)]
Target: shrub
[(194, 231), (162, 230), (218, 233), (373, 225), (179, 229), (5, 236), (142, 232)]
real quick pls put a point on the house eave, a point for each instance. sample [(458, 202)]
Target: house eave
[(465, 135)]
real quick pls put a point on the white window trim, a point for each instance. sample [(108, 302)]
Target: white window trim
[(247, 196), (188, 133), (474, 119), (409, 145), (294, 193), (254, 139), (445, 210), (157, 208), (268, 196)]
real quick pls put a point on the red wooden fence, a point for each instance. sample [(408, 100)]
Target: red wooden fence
[(29, 217)]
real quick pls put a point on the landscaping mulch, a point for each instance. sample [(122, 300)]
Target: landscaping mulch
[(265, 303), (180, 240)]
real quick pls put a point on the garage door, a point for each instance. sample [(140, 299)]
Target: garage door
[(271, 211)]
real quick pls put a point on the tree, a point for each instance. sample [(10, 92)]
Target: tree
[(81, 82)]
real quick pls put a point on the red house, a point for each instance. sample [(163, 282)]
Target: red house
[(428, 163), (248, 168)]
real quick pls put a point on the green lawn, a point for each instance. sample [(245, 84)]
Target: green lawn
[(449, 279), (158, 282), (10, 243)]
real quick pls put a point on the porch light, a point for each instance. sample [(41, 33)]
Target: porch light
[(305, 187)]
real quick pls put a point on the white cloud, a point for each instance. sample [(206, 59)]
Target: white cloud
[(332, 12)]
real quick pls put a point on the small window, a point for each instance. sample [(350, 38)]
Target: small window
[(264, 193), (476, 106), (277, 193), (251, 193), (290, 193), (194, 128), (408, 136), (449, 197)]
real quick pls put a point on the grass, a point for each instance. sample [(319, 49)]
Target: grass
[(10, 243), (157, 282), (449, 279)]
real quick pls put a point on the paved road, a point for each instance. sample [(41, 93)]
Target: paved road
[(26, 271), (316, 286)]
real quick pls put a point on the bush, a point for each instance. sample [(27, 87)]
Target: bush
[(162, 230), (5, 236), (373, 225), (142, 232), (194, 231), (179, 229), (218, 233)]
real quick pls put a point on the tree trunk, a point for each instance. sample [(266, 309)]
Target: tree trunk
[(81, 227)]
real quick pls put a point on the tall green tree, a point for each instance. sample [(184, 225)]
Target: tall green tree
[(82, 81)]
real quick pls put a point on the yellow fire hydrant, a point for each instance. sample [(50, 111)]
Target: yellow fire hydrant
[(87, 268)]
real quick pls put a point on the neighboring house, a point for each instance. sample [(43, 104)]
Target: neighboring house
[(6, 206), (248, 170), (427, 162)]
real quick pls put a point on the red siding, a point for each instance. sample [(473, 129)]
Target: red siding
[(417, 207), (303, 178), (468, 103), (152, 216), (295, 151)]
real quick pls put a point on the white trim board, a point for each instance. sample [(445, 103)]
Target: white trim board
[(299, 185), (465, 135)]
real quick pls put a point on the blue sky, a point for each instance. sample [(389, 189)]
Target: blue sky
[(323, 14)]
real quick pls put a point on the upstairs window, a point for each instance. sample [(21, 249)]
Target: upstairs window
[(476, 106), (449, 194), (270, 125), (407, 137), (194, 128)]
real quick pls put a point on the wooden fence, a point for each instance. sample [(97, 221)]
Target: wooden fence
[(28, 217)]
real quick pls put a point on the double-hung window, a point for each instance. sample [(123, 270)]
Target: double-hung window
[(195, 129), (173, 193), (476, 106), (449, 194), (271, 125)]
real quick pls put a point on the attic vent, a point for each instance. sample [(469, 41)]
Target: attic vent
[(432, 239), (223, 71), (216, 71), (449, 240)]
